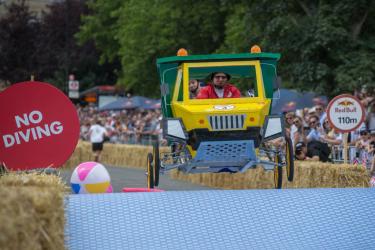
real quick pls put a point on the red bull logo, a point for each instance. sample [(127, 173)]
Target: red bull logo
[(345, 103), (345, 107)]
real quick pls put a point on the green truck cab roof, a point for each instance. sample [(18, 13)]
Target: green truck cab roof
[(219, 57)]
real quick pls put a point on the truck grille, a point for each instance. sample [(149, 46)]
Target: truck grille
[(226, 122)]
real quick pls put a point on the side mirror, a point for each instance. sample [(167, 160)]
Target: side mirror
[(164, 89), (273, 127), (174, 129), (276, 87)]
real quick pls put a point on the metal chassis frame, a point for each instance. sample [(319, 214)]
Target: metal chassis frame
[(191, 167)]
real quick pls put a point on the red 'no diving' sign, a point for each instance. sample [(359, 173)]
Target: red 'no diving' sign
[(39, 126)]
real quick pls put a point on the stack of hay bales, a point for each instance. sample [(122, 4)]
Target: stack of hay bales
[(306, 175), (32, 211), (82, 153), (121, 155)]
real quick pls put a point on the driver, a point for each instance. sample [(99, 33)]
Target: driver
[(219, 88)]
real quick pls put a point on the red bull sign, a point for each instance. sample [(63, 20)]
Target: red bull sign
[(39, 126), (345, 113)]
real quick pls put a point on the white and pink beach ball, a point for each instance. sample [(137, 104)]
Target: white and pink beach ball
[(89, 178)]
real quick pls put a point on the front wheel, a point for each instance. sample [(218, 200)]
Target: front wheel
[(278, 172), (289, 160), (156, 164), (150, 171)]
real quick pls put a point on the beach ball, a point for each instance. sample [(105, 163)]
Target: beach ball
[(89, 178)]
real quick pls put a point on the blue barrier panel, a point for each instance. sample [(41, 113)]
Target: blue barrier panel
[(231, 219)]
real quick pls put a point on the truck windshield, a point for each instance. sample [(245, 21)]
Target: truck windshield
[(241, 80)]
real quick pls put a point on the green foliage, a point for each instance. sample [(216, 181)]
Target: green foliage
[(45, 47), (145, 30), (326, 46), (18, 26), (101, 26)]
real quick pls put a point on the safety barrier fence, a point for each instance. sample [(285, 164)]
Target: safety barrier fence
[(131, 139), (355, 156)]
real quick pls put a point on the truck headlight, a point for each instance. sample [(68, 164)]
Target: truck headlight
[(174, 129), (273, 127)]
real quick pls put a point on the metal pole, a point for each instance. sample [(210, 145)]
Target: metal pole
[(345, 151)]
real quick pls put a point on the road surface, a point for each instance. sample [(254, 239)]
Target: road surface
[(135, 177)]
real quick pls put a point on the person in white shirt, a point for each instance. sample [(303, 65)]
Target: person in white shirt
[(97, 134)]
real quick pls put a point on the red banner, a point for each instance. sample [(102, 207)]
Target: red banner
[(39, 126)]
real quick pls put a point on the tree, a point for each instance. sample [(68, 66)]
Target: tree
[(325, 46), (46, 47), (137, 32), (61, 55), (18, 27)]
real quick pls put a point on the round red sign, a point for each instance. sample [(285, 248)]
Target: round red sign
[(345, 113), (39, 126)]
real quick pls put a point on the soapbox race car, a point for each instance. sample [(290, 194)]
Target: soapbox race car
[(221, 134)]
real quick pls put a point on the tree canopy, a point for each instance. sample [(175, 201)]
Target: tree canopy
[(326, 46), (44, 46)]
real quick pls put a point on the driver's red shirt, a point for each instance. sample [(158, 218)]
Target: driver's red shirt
[(208, 92)]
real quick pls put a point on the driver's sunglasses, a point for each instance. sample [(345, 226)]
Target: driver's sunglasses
[(312, 123)]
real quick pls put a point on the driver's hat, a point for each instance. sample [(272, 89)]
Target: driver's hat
[(215, 73)]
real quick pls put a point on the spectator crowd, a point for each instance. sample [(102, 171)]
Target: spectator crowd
[(312, 135), (315, 139), (128, 126)]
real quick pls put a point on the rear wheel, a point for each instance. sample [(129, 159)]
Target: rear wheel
[(156, 163), (289, 160), (278, 172), (150, 171)]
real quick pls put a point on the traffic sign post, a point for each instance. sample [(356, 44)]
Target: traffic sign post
[(345, 113), (73, 89), (73, 86)]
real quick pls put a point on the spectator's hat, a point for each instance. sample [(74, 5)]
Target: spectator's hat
[(372, 132), (312, 110), (215, 73), (299, 147)]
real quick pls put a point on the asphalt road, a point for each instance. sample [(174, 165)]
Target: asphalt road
[(134, 177)]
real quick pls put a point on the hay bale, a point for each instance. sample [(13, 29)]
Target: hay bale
[(120, 155), (32, 211), (307, 175), (81, 153)]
